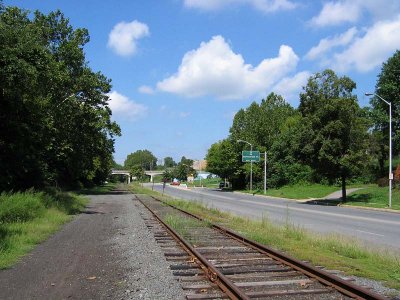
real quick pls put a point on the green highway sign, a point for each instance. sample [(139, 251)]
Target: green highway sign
[(248, 156)]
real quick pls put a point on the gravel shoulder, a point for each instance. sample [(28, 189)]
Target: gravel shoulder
[(104, 253)]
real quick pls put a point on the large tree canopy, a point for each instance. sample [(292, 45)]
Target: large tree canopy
[(334, 132), (55, 124), (143, 158), (388, 87), (260, 124), (222, 159)]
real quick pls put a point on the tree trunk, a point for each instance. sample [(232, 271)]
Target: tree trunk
[(343, 188)]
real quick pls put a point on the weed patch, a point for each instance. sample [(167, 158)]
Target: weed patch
[(27, 218)]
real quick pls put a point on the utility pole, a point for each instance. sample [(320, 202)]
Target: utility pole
[(265, 172)]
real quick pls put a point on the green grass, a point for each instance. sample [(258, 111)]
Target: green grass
[(374, 196), (183, 226), (303, 191), (28, 218), (332, 251), (208, 182), (98, 190)]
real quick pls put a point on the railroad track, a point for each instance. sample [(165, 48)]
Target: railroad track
[(212, 262)]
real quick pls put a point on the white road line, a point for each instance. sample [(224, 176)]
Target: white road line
[(370, 232)]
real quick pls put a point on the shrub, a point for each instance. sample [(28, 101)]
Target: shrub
[(382, 182), (20, 207)]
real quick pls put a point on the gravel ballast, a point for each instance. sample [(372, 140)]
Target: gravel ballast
[(148, 276)]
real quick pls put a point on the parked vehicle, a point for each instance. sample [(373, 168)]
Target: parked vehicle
[(175, 182)]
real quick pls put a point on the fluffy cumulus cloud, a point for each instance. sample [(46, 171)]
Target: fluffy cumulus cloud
[(290, 87), (122, 106), (214, 69), (371, 49), (350, 11), (266, 6), (327, 44), (124, 36)]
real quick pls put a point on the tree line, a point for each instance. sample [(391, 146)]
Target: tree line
[(55, 126), (329, 138), (144, 160)]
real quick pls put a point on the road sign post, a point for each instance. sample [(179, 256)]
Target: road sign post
[(251, 156)]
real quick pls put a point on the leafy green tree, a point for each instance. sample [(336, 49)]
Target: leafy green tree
[(169, 162), (334, 131), (142, 158), (55, 124), (388, 87), (138, 172), (168, 175), (184, 168), (284, 163), (222, 159), (260, 124)]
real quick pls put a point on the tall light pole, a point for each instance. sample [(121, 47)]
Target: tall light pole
[(390, 144), (251, 164)]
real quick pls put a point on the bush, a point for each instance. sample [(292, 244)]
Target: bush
[(382, 182), (20, 207), (63, 201)]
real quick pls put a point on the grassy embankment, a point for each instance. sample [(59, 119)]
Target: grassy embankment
[(28, 218), (332, 251)]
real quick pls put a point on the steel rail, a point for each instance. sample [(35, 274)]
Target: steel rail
[(215, 276), (347, 288)]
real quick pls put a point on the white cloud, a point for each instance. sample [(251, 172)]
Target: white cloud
[(214, 69), (123, 37), (266, 6), (327, 44), (350, 11), (144, 89), (334, 13), (370, 50), (122, 106), (290, 87)]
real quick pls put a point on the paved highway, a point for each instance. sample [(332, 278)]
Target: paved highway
[(374, 228)]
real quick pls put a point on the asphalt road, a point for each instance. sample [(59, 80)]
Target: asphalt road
[(374, 228)]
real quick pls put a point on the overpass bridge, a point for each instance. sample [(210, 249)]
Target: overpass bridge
[(128, 174)]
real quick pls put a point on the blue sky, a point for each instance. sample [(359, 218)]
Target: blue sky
[(181, 69)]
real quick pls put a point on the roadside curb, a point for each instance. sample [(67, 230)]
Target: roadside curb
[(371, 208)]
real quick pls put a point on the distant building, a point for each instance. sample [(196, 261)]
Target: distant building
[(205, 175), (199, 165)]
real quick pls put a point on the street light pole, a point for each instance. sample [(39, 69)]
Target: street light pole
[(251, 164), (390, 144), (265, 172)]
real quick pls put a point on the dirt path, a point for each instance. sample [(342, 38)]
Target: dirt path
[(338, 194), (78, 262)]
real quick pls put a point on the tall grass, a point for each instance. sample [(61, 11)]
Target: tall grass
[(20, 207), (27, 218)]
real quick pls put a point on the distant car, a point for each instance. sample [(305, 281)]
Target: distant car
[(221, 185), (175, 183)]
